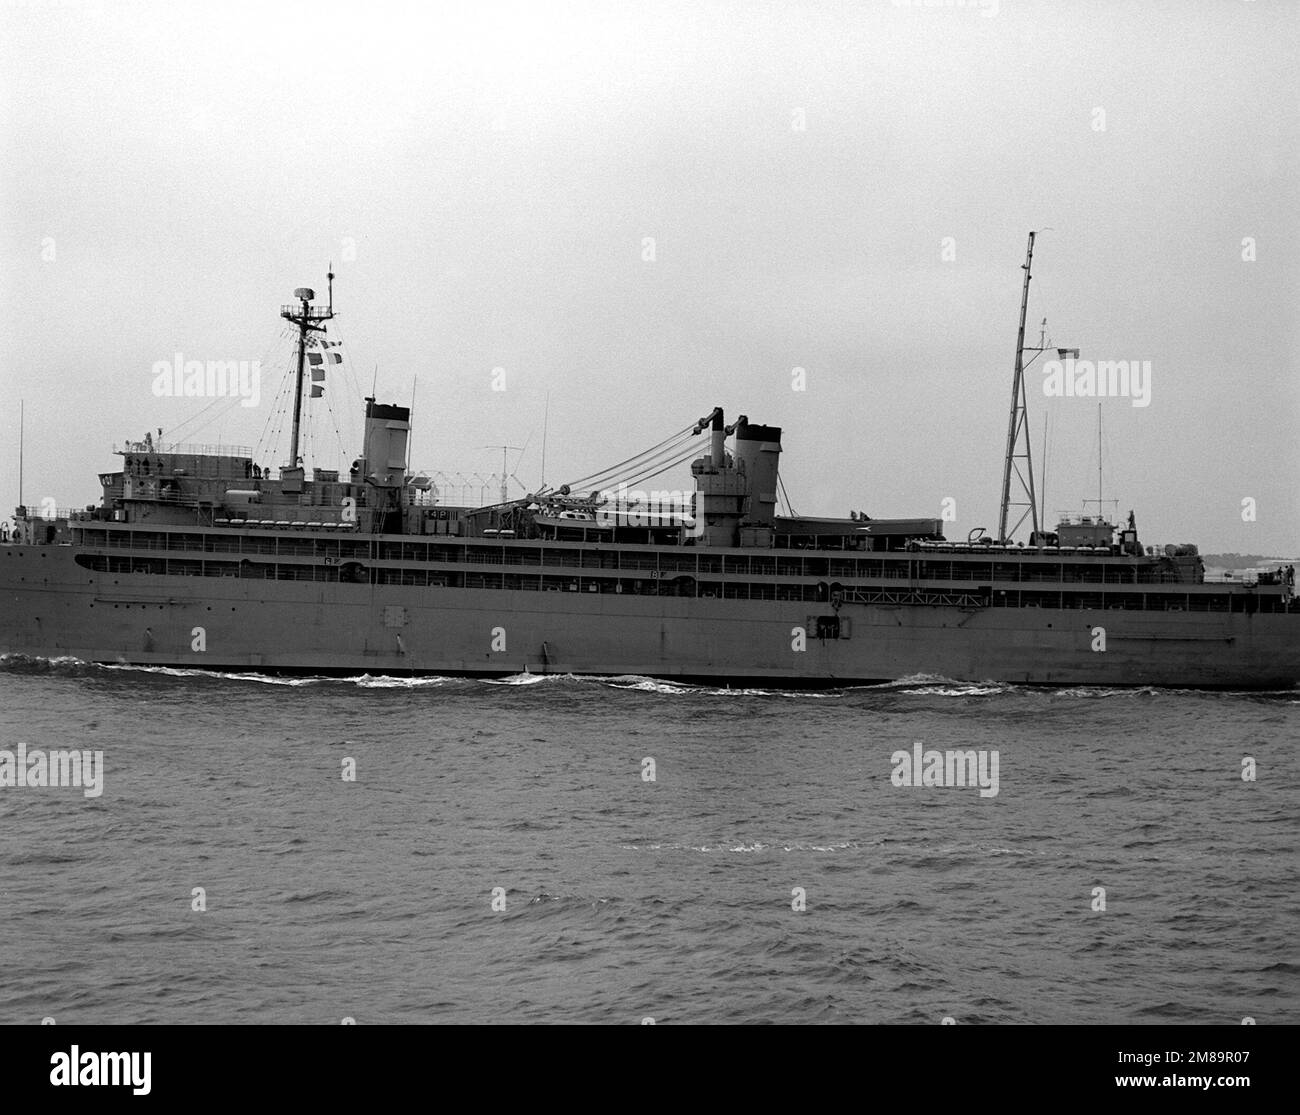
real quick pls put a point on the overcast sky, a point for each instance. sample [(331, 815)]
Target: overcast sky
[(485, 178)]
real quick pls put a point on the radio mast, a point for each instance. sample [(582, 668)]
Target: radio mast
[(1018, 425)]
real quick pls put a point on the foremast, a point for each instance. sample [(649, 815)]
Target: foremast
[(308, 319)]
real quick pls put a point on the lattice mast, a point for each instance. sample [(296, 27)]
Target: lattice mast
[(1018, 430)]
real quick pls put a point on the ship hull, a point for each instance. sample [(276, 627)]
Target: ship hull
[(53, 608)]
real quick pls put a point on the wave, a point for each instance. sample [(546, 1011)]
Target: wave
[(183, 672), (985, 850), (30, 664), (386, 681), (895, 847), (528, 679), (959, 690), (644, 684), (911, 685), (937, 685), (748, 846)]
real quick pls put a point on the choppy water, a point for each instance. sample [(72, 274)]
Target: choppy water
[(625, 898)]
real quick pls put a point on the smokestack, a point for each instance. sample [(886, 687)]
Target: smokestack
[(719, 436), (757, 450), (387, 428)]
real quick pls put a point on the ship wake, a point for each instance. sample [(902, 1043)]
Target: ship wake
[(913, 685)]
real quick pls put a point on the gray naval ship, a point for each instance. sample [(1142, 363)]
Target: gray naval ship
[(196, 558)]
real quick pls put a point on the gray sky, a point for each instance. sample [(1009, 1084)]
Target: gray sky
[(171, 172)]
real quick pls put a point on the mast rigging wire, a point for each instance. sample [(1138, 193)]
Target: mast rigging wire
[(593, 478)]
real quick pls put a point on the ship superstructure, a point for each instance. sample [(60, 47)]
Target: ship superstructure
[(195, 556)]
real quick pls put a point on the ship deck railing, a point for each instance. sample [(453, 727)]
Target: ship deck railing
[(314, 542), (359, 548), (186, 449), (914, 596), (330, 567), (310, 526), (1021, 551), (49, 515)]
